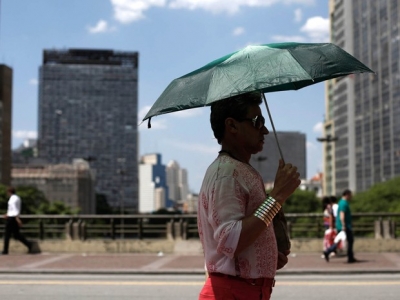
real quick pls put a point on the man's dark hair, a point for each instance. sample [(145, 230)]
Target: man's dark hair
[(233, 107), (11, 190), (346, 193)]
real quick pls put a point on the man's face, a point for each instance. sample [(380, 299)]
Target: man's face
[(252, 130), (348, 196)]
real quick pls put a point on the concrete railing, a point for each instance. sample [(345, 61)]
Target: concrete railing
[(184, 226)]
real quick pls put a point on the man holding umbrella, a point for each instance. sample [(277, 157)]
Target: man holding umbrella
[(235, 214)]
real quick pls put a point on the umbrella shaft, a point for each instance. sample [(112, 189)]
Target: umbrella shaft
[(273, 127)]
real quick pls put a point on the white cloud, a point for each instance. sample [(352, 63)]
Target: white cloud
[(126, 11), (188, 113), (143, 111), (155, 124), (230, 6), (24, 134), (289, 38), (317, 29), (238, 31), (318, 127), (33, 81), (195, 147), (298, 15), (100, 27), (311, 146)]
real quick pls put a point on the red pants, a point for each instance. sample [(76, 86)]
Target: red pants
[(225, 287)]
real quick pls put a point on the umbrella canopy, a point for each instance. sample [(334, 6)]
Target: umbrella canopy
[(265, 68)]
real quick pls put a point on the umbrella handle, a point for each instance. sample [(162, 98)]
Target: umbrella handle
[(273, 127)]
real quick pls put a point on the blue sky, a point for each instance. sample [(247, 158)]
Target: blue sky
[(173, 37)]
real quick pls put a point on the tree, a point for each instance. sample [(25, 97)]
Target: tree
[(102, 206), (302, 202), (382, 197), (34, 202)]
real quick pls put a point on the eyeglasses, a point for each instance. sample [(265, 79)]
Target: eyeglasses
[(258, 121)]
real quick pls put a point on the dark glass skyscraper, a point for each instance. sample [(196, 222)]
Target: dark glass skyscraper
[(88, 109), (293, 145)]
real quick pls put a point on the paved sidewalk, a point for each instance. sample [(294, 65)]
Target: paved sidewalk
[(300, 263)]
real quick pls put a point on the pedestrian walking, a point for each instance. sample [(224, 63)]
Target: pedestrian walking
[(344, 227), (13, 222)]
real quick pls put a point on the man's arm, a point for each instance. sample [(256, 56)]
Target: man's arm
[(342, 220), (286, 182)]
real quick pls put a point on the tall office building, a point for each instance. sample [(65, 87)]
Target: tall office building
[(177, 182), (153, 190), (363, 110), (293, 145), (5, 124), (88, 109)]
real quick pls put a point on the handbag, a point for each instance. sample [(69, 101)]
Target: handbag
[(281, 232), (340, 237)]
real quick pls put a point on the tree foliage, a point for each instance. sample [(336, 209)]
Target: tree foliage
[(102, 206), (34, 202), (302, 202), (382, 197)]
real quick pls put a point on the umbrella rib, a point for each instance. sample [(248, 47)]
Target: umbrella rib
[(273, 128)]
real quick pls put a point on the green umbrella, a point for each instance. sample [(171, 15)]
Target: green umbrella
[(264, 68)]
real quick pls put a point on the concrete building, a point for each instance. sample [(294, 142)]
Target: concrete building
[(88, 109), (5, 123), (293, 145), (25, 153), (363, 110), (313, 185), (177, 182), (191, 204), (72, 184), (153, 190)]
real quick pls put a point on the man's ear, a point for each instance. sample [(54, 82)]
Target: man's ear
[(230, 124)]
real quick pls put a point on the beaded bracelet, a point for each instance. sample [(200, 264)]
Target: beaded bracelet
[(267, 210)]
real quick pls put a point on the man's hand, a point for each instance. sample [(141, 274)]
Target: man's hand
[(19, 221), (282, 259), (287, 180)]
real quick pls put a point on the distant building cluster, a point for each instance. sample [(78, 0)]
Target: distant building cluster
[(162, 187)]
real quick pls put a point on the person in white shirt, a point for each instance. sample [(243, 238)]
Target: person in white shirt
[(334, 206), (13, 222)]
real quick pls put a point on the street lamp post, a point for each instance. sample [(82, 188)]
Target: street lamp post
[(121, 202), (58, 113), (328, 139)]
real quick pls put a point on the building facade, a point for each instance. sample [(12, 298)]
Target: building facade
[(177, 182), (362, 110), (5, 123), (153, 190), (88, 109), (72, 184), (293, 145)]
